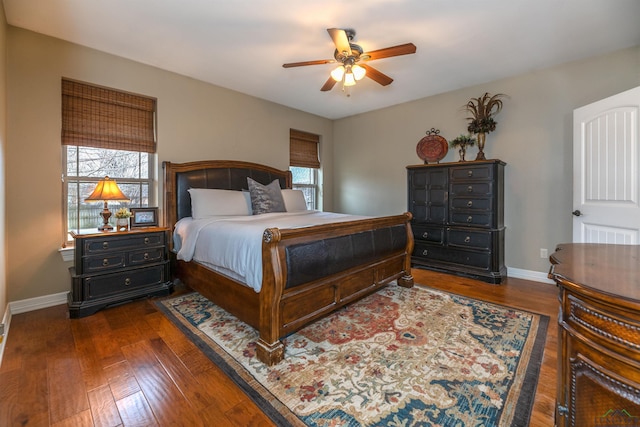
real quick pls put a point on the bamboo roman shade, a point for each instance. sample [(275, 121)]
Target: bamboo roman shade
[(303, 149), (94, 116)]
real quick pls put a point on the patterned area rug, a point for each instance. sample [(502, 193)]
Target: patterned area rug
[(399, 357)]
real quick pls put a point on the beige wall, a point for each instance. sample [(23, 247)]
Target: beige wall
[(3, 139), (364, 156), (196, 121), (533, 136)]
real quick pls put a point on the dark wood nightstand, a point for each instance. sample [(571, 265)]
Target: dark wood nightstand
[(115, 267)]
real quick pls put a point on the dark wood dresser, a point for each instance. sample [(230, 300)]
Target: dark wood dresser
[(599, 334), (458, 218), (114, 267)]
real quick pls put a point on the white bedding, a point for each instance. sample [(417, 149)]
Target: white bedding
[(234, 243)]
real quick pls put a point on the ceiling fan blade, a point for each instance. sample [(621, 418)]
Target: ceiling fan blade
[(340, 39), (402, 49), (303, 63), (329, 84), (376, 75)]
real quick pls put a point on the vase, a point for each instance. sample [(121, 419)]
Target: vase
[(481, 139), (462, 151), (122, 224)]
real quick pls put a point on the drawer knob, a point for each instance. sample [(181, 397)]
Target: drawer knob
[(146, 256), (425, 252), (470, 203), (105, 245), (425, 235), (146, 240), (470, 189), (127, 281), (469, 218), (470, 173), (467, 239), (105, 262)]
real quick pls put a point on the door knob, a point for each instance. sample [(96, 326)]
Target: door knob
[(577, 213)]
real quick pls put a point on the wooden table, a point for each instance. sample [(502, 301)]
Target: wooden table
[(599, 334)]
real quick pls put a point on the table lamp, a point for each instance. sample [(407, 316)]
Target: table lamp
[(107, 189)]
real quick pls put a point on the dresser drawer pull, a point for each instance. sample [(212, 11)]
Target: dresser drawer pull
[(105, 262), (469, 218), (146, 256), (425, 252), (470, 189), (470, 203), (105, 245), (470, 173), (467, 239), (146, 240), (425, 235), (127, 281)]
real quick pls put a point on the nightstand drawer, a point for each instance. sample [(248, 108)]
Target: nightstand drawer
[(101, 245), (109, 261), (119, 283), (146, 256)]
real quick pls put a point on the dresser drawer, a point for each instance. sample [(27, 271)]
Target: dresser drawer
[(471, 189), (471, 172), (481, 260), (122, 282), (429, 234), (471, 218), (101, 245), (471, 203), (146, 256), (469, 239)]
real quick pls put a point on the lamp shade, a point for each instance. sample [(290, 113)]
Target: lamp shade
[(358, 72), (337, 73), (107, 189)]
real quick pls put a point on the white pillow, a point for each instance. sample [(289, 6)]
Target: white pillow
[(206, 202), (294, 200)]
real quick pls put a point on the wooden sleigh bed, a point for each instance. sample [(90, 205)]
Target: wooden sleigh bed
[(294, 290)]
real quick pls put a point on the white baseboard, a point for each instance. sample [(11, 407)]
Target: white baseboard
[(37, 303), (6, 321), (535, 276)]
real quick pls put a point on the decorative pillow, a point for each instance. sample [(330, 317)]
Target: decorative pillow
[(265, 198), (206, 202), (294, 200)]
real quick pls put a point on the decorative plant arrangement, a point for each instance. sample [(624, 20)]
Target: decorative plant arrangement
[(122, 219), (461, 143), (481, 121)]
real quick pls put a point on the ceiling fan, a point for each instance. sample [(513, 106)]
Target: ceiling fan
[(351, 57)]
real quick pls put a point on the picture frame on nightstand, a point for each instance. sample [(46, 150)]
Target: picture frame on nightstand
[(144, 217)]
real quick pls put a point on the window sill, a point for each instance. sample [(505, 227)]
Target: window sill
[(67, 253)]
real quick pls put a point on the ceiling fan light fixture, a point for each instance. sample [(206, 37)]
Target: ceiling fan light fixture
[(349, 79), (358, 72), (338, 73)]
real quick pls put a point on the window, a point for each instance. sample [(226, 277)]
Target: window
[(304, 164), (105, 132)]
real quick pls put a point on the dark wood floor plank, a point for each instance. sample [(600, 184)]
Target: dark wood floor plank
[(135, 411), (67, 393), (167, 402), (103, 408), (80, 419), (122, 380)]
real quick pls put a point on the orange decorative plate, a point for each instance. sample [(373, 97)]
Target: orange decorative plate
[(433, 147)]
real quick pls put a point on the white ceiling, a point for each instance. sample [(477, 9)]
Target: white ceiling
[(242, 44)]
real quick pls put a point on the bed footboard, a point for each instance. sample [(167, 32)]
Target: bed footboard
[(311, 271)]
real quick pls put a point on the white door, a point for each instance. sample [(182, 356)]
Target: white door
[(606, 154)]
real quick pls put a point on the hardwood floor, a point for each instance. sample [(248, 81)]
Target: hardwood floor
[(128, 365)]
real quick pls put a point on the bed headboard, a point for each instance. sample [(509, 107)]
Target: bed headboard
[(221, 174)]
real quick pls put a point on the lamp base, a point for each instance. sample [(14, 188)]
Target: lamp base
[(105, 214), (105, 227)]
